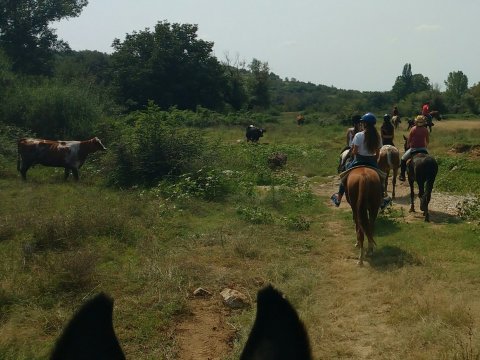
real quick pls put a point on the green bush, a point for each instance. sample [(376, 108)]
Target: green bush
[(54, 110), (150, 148)]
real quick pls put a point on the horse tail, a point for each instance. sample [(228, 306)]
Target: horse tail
[(389, 157), (431, 175), (362, 207)]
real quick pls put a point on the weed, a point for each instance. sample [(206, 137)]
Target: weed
[(297, 223), (255, 215)]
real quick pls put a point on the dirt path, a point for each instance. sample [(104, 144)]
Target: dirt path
[(205, 334), (443, 207)]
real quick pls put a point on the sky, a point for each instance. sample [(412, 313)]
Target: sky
[(349, 44)]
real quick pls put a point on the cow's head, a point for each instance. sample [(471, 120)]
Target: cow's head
[(98, 144)]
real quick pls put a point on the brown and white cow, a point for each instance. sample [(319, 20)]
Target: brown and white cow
[(67, 154)]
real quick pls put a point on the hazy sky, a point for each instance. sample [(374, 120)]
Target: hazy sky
[(349, 44)]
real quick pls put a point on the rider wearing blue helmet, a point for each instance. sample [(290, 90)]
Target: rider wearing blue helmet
[(365, 147)]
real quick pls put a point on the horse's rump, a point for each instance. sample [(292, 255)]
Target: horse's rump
[(364, 194)]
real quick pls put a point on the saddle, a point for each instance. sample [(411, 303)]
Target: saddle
[(415, 152), (343, 175)]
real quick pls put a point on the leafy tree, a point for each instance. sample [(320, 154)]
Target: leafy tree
[(259, 84), (407, 83), (170, 66), (92, 66), (235, 74), (25, 35), (457, 86)]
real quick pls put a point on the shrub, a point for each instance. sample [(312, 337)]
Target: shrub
[(54, 110), (150, 148), (255, 215)]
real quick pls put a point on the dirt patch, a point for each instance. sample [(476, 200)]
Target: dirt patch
[(205, 333), (465, 148)]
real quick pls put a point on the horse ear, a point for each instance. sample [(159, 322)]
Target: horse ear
[(277, 333), (90, 334), (404, 137)]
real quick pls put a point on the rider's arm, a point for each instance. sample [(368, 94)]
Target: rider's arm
[(354, 150)]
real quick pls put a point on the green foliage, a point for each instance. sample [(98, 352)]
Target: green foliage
[(255, 215), (297, 223), (409, 83), (469, 209), (206, 184), (258, 85), (54, 110), (25, 35), (457, 86), (170, 66), (458, 174), (153, 147)]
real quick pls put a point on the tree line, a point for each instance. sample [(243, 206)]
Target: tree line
[(55, 91)]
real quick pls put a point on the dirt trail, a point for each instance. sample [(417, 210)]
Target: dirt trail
[(205, 334), (443, 207)]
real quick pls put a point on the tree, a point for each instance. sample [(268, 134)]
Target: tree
[(457, 86), (25, 35), (170, 66), (259, 84), (235, 74), (407, 83)]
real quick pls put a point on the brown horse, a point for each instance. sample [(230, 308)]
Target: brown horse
[(423, 169), (389, 159), (363, 190)]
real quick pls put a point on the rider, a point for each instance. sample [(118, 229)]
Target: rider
[(387, 130), (365, 147), (417, 140), (349, 137), (395, 111), (426, 112)]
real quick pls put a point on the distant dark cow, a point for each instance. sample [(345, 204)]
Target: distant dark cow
[(67, 154), (253, 133), (277, 334)]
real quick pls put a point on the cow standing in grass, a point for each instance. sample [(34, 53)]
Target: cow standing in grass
[(254, 133), (67, 154)]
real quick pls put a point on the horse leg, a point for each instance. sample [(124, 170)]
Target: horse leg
[(394, 181), (360, 239), (412, 195), (385, 193)]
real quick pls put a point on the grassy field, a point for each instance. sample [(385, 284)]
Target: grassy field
[(418, 297)]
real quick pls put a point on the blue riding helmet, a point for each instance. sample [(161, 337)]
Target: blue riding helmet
[(369, 118)]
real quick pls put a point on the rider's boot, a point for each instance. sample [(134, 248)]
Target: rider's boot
[(403, 169)]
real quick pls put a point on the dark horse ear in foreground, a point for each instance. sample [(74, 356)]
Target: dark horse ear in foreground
[(90, 334), (277, 333), (364, 194), (422, 169)]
